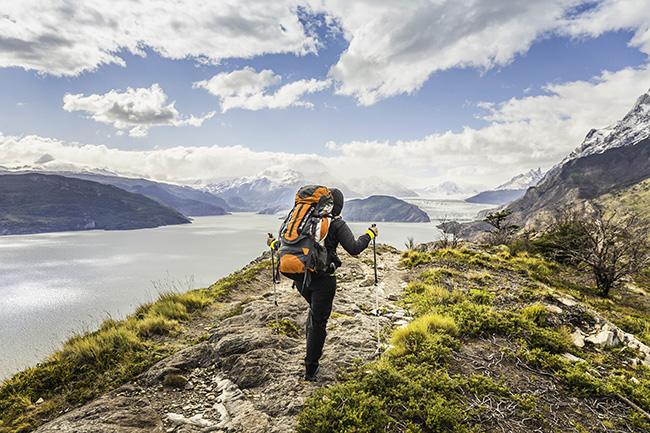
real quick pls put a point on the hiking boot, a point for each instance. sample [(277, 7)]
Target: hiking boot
[(311, 376)]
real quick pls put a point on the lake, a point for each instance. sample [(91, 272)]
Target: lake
[(57, 284)]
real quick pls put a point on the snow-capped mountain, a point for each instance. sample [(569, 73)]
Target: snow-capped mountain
[(522, 181), (48, 164), (271, 190), (448, 189), (609, 168), (377, 186), (509, 191), (633, 128)]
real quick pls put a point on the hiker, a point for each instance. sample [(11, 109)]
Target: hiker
[(319, 292)]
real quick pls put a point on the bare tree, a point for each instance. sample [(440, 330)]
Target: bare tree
[(410, 243), (450, 232), (611, 246)]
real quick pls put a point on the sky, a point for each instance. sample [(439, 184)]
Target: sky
[(419, 91)]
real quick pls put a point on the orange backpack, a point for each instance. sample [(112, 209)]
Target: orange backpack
[(302, 234)]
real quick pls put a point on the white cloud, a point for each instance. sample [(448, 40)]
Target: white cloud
[(525, 133), (174, 165), (247, 89), (531, 132), (396, 46), (613, 15), (69, 37), (135, 109)]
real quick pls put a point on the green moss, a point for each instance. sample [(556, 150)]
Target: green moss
[(236, 310), (285, 327), (174, 381)]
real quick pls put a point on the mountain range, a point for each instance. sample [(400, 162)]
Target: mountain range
[(448, 190), (272, 191), (509, 191), (38, 203), (610, 167), (189, 201)]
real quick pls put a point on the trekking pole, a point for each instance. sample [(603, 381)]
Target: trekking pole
[(374, 254), (275, 292)]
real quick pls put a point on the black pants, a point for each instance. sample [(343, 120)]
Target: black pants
[(320, 296)]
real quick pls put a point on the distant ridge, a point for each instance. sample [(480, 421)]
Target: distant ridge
[(509, 191), (380, 208), (39, 203)]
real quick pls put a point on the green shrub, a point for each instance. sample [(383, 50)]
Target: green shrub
[(480, 296)]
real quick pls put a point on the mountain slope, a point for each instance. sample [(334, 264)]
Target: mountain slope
[(189, 201), (608, 162), (584, 179), (480, 341), (37, 203)]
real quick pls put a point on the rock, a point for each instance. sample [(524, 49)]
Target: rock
[(604, 338), (109, 414), (553, 309), (578, 338), (367, 282), (572, 358), (401, 323), (202, 354), (196, 420), (567, 300)]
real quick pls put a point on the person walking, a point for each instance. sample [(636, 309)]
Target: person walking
[(319, 294)]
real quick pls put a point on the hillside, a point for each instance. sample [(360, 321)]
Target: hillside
[(379, 208), (479, 341), (37, 203)]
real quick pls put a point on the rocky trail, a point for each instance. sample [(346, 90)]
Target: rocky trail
[(245, 377)]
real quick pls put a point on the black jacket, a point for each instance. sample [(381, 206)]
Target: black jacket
[(340, 233)]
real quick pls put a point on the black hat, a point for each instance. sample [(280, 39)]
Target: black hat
[(337, 195)]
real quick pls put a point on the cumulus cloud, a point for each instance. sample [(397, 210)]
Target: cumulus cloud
[(69, 37), (396, 46), (612, 15), (247, 89), (135, 109), (178, 164)]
